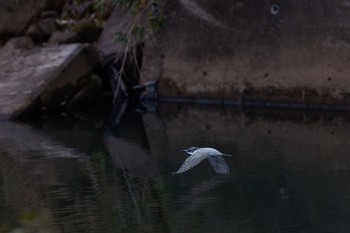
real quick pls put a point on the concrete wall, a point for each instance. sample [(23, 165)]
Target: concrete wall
[(291, 50)]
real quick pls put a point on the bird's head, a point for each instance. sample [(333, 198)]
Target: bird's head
[(190, 150)]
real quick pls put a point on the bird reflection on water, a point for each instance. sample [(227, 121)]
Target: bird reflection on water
[(197, 155)]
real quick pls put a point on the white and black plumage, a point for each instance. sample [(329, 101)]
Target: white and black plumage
[(197, 155)]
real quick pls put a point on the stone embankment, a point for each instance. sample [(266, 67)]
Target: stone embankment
[(53, 57)]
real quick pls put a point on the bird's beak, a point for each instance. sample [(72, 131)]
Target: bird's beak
[(183, 151)]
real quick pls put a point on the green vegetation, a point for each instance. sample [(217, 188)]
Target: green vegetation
[(146, 19), (140, 21)]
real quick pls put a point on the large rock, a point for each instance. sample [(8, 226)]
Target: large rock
[(290, 51), (46, 77), (15, 16), (41, 29)]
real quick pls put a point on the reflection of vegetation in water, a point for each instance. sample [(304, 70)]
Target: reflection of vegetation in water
[(98, 160), (71, 196), (147, 19), (128, 203), (20, 203)]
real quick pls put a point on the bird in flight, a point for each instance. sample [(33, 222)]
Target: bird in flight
[(198, 154)]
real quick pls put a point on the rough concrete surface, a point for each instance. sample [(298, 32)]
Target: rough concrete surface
[(38, 74), (273, 50)]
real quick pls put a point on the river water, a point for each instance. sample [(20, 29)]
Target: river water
[(289, 172)]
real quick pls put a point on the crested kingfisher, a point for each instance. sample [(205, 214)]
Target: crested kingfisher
[(198, 154)]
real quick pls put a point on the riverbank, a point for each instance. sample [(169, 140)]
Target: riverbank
[(249, 54)]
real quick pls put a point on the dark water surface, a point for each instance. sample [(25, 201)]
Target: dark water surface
[(290, 172)]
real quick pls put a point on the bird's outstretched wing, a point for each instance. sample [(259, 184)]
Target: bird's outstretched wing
[(219, 164), (191, 161)]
